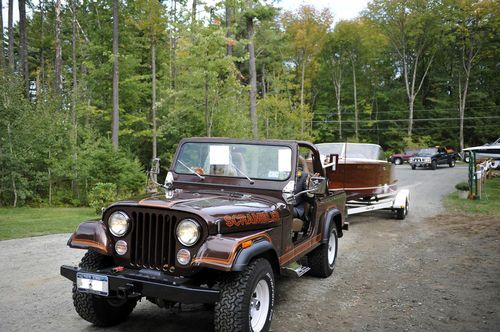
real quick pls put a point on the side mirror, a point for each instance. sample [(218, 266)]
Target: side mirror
[(169, 180), (317, 185), (331, 161)]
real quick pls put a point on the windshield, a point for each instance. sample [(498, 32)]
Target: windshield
[(352, 150), (264, 162), (427, 152)]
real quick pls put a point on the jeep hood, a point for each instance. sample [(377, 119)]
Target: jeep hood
[(224, 210)]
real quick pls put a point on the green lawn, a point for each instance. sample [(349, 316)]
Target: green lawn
[(24, 222), (489, 203)]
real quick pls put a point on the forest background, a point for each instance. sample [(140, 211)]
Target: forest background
[(90, 91)]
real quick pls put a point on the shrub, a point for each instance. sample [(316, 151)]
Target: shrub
[(101, 195), (464, 186)]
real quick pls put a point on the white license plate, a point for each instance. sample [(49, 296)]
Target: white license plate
[(92, 283)]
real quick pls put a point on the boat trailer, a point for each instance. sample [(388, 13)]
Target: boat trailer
[(398, 202)]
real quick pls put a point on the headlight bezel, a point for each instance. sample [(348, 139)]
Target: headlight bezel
[(111, 228), (196, 226)]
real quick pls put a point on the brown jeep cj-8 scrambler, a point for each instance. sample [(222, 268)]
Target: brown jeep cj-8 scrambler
[(232, 215)]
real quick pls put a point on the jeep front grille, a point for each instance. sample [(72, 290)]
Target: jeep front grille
[(152, 240)]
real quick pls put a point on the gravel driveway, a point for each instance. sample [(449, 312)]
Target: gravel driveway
[(428, 272)]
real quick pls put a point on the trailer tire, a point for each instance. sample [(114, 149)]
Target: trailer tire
[(99, 310), (401, 213)]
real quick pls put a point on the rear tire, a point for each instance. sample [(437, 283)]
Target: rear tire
[(322, 259), (398, 161), (452, 163), (434, 165), (99, 310), (246, 299)]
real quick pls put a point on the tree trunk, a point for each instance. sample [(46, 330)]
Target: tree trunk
[(253, 78), (463, 99), (153, 96), (263, 82), (42, 53), (116, 116), (173, 53), (11, 36), (23, 48), (2, 59), (355, 93), (58, 62), (74, 99), (302, 83), (207, 111), (229, 49), (193, 12)]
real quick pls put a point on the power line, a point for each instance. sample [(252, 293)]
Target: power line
[(418, 128), (435, 110), (405, 120)]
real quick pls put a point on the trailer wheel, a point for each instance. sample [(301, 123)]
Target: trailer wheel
[(322, 259), (99, 310), (247, 299), (401, 213)]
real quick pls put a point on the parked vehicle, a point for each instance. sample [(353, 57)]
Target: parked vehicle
[(432, 157), (219, 232), (400, 158)]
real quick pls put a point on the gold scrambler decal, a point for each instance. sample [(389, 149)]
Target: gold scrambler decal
[(251, 218)]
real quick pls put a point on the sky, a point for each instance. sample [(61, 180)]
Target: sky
[(341, 9)]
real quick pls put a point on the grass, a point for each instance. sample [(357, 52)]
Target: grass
[(25, 222), (488, 204)]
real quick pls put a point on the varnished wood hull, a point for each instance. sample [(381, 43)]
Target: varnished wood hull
[(362, 178)]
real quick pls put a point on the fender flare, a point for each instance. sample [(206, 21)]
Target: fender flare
[(327, 221), (92, 235), (246, 255)]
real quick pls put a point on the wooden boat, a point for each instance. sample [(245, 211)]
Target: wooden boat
[(362, 170)]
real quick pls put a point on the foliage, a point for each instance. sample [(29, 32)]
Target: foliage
[(464, 186), (55, 147), (488, 204), (101, 195)]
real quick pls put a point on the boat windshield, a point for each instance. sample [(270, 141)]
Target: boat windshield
[(251, 161), (427, 152), (352, 150)]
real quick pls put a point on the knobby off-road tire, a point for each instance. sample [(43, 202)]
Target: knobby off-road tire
[(99, 310), (322, 259), (241, 294)]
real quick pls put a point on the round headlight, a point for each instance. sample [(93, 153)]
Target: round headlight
[(188, 232), (118, 223)]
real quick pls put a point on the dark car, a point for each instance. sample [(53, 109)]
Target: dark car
[(432, 157), (399, 158), (219, 232)]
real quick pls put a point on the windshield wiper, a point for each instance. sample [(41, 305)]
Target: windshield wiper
[(250, 180), (189, 169)]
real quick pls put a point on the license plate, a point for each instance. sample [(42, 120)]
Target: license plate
[(92, 283)]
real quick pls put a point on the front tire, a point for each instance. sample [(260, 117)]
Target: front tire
[(434, 165), (322, 259), (99, 310), (413, 167), (247, 299)]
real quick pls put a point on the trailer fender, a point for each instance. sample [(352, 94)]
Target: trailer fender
[(401, 198)]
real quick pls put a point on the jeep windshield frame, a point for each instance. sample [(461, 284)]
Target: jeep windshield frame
[(235, 160)]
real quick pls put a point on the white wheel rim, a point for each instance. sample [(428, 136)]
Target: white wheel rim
[(332, 248), (259, 305), (398, 161)]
